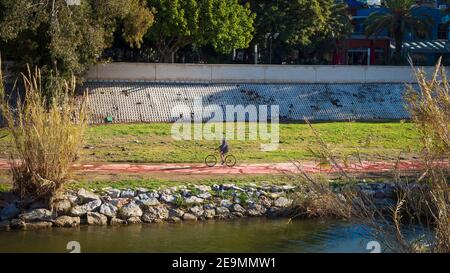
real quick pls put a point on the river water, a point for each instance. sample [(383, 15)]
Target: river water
[(247, 235)]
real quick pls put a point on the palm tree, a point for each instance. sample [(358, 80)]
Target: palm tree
[(337, 27), (401, 18)]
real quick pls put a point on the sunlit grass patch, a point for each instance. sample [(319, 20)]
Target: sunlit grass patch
[(152, 143)]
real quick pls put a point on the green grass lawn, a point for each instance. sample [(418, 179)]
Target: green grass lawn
[(152, 143)]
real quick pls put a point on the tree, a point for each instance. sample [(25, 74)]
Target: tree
[(337, 27), (298, 22), (402, 17), (65, 40), (224, 24)]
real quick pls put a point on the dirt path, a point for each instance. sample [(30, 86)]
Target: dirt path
[(255, 169)]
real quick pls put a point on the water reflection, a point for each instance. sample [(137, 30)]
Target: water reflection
[(250, 235)]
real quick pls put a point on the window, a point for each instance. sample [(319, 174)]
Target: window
[(380, 57), (358, 26), (357, 56), (443, 31)]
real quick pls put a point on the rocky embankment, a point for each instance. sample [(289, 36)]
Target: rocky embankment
[(176, 204)]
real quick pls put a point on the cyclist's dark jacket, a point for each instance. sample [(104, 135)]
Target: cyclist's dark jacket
[(224, 147)]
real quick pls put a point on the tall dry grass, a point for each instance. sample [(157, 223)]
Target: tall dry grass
[(423, 205), (430, 111), (46, 136)]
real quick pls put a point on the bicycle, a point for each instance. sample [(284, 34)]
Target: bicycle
[(211, 160)]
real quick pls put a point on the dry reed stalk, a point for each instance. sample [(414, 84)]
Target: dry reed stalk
[(46, 136), (425, 204)]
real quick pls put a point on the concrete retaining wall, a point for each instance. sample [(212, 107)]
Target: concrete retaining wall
[(226, 73), (153, 102)]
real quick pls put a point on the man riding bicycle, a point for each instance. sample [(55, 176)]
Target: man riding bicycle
[(223, 150)]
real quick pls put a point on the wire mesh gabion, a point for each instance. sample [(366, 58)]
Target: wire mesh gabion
[(153, 101)]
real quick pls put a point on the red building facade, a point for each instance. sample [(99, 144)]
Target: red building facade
[(362, 51), (358, 49)]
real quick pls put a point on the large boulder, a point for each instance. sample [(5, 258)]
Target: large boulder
[(253, 213), (83, 209), (96, 219), (117, 222), (128, 194), (174, 219), (185, 192), (73, 198), (209, 213), (142, 190), (197, 211), (9, 212), (226, 203), (259, 208), (236, 188), (38, 225), (113, 193), (155, 214), (61, 207), (194, 200), (119, 202), (276, 188), (210, 206), (134, 221), (176, 212), (108, 209), (274, 195), (168, 198), (17, 224), (67, 221), (149, 202), (226, 187), (153, 194), (256, 210), (237, 214), (85, 196), (237, 208), (205, 195), (130, 210), (222, 211), (282, 202), (106, 199), (36, 215), (265, 201), (142, 196), (288, 187), (189, 217), (202, 187)]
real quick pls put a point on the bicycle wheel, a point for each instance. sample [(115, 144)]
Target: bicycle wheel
[(230, 161), (211, 160)]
